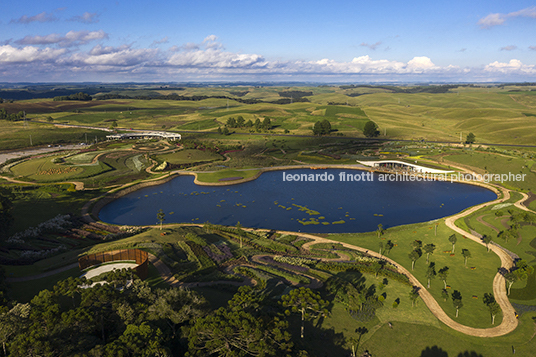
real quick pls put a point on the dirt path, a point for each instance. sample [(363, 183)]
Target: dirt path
[(509, 322), (479, 219)]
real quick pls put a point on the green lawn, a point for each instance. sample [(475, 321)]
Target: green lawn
[(472, 283), (188, 156)]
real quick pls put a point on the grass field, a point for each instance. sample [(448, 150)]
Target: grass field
[(187, 156), (472, 283), (493, 115)]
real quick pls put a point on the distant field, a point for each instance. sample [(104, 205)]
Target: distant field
[(495, 115), (493, 163)]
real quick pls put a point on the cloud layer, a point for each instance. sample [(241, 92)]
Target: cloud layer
[(60, 55)]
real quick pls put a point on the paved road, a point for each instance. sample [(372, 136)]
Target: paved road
[(8, 155)]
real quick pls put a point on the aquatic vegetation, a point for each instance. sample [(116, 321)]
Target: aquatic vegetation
[(310, 212)]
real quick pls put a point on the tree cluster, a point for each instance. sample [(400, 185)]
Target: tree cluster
[(322, 127), (240, 122), (125, 317), (4, 115), (77, 96)]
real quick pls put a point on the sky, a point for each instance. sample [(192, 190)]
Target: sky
[(351, 41)]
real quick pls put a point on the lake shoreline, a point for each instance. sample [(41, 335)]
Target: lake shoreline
[(307, 171)]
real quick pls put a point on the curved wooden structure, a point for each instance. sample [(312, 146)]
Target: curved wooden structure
[(141, 257)]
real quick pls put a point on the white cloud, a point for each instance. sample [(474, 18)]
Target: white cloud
[(498, 19), (103, 50), (9, 54), (110, 56), (71, 38), (491, 20), (513, 67), (533, 48), (211, 54), (421, 63), (86, 17), (215, 58), (42, 17)]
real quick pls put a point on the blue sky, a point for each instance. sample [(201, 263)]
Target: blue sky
[(232, 40)]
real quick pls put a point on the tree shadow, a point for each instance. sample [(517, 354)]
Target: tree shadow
[(320, 342), (469, 354), (434, 351)]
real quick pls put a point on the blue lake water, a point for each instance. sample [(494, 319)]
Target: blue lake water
[(272, 202)]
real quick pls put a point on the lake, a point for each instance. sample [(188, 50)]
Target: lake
[(286, 200)]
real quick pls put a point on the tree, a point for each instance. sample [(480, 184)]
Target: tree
[(176, 306), (11, 322), (414, 255), (322, 127), (267, 124), (354, 342), (305, 302), (453, 240), (416, 245), (487, 240), (506, 235), (443, 274), (430, 273), (429, 249), (414, 295), (380, 230), (161, 216), (377, 266), (240, 121), (466, 254), (50, 119), (6, 206), (380, 244), (388, 246), (510, 278), (234, 332), (457, 300), (231, 122), (470, 138), (370, 130), (258, 124), (240, 232), (523, 270), (494, 308), (444, 294)]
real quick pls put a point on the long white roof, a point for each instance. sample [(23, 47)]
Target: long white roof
[(417, 168)]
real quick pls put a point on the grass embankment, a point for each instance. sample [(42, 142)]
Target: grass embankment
[(216, 177)]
